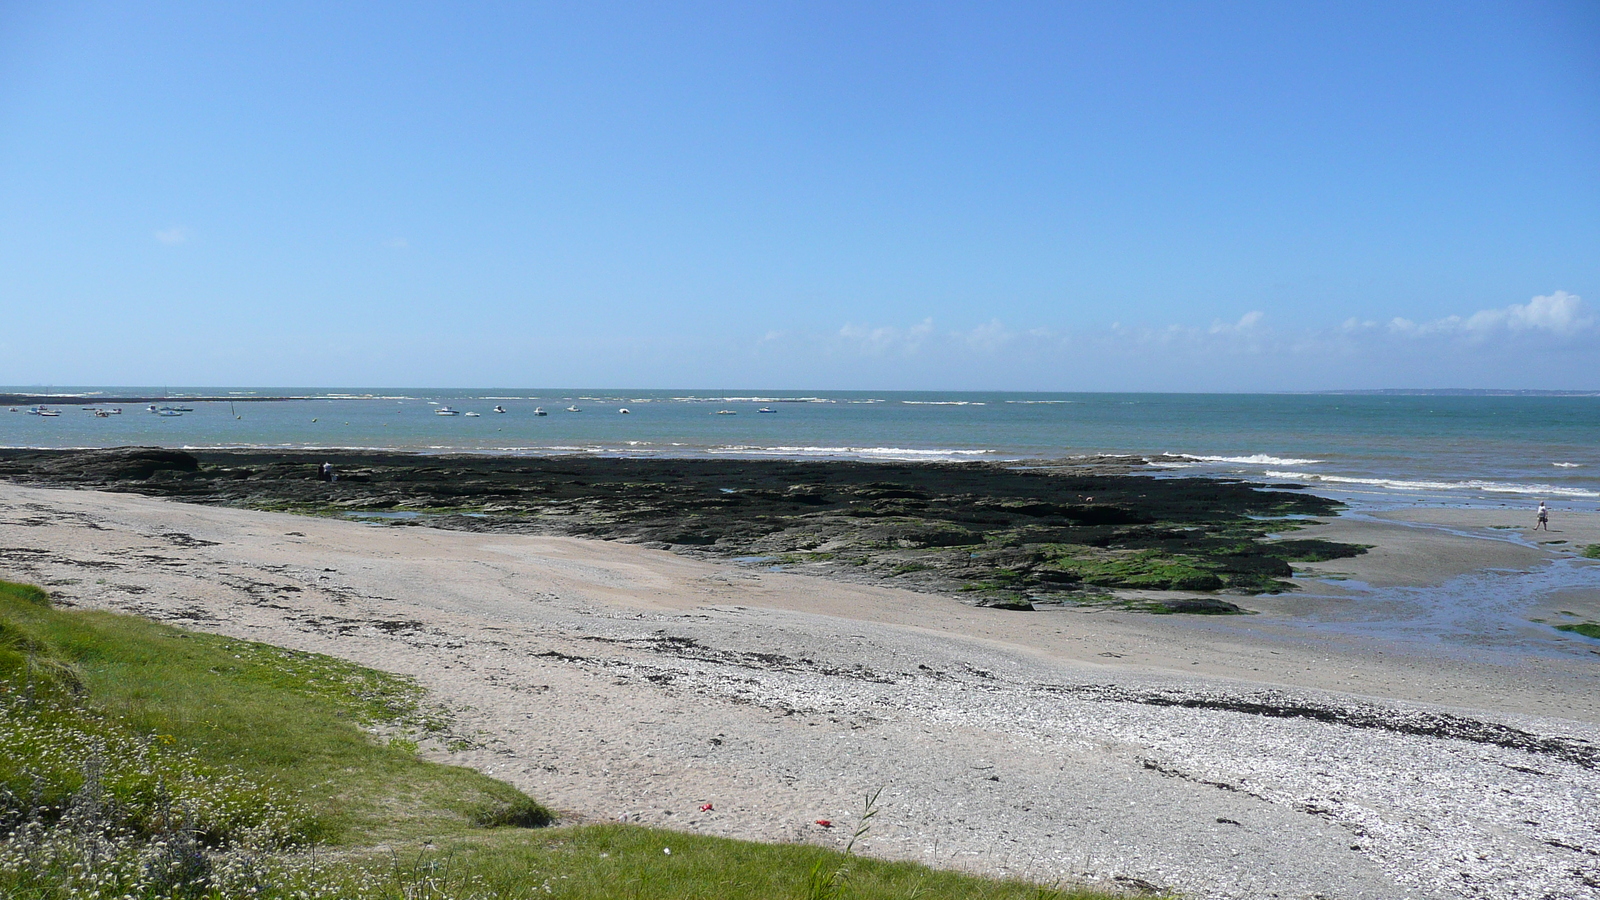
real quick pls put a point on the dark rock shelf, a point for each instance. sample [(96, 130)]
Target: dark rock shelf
[(989, 534)]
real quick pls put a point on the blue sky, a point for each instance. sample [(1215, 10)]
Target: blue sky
[(1167, 196)]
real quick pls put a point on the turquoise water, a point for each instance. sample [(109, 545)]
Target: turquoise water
[(1371, 449)]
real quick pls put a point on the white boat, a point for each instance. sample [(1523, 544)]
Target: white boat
[(168, 410), (573, 409), (766, 409), (42, 411), (539, 411), (623, 410), (726, 412), (472, 415), (446, 411), (499, 409)]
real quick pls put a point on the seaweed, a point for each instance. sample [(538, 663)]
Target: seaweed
[(983, 531)]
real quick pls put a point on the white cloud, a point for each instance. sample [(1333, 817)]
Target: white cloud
[(1560, 314), (1246, 322), (886, 340), (1252, 351), (173, 236), (989, 337)]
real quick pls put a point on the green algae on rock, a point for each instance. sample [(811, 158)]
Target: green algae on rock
[(990, 534)]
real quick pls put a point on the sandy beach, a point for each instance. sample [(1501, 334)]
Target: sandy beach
[(1299, 752)]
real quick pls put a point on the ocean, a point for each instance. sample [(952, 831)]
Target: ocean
[(1372, 451)]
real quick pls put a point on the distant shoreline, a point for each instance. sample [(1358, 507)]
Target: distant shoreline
[(765, 396), (1453, 392), (98, 400)]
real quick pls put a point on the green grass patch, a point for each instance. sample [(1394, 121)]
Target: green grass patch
[(298, 722), (1587, 629), (140, 760), (1592, 551)]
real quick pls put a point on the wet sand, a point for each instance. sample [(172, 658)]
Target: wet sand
[(1429, 545), (1257, 756)]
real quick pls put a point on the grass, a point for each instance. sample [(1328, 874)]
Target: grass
[(228, 702), (1592, 551), (143, 761), (1587, 629)]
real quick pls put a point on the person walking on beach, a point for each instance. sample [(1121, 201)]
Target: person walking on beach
[(1544, 518)]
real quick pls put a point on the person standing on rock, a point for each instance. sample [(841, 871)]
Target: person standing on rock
[(1544, 518)]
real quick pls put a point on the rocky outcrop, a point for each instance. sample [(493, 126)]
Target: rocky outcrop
[(993, 535)]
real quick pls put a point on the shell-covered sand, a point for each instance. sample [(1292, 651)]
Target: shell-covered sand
[(1227, 758)]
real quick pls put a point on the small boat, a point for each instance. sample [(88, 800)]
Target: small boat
[(101, 414), (766, 409), (42, 411), (539, 411), (446, 411), (573, 409), (168, 412), (472, 415), (726, 412), (623, 410), (499, 409)]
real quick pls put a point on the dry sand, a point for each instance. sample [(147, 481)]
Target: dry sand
[(1265, 756)]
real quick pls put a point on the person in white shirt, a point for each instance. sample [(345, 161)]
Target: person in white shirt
[(1544, 518)]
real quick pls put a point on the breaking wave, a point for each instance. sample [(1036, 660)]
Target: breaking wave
[(1259, 459), (1489, 487), (892, 453)]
